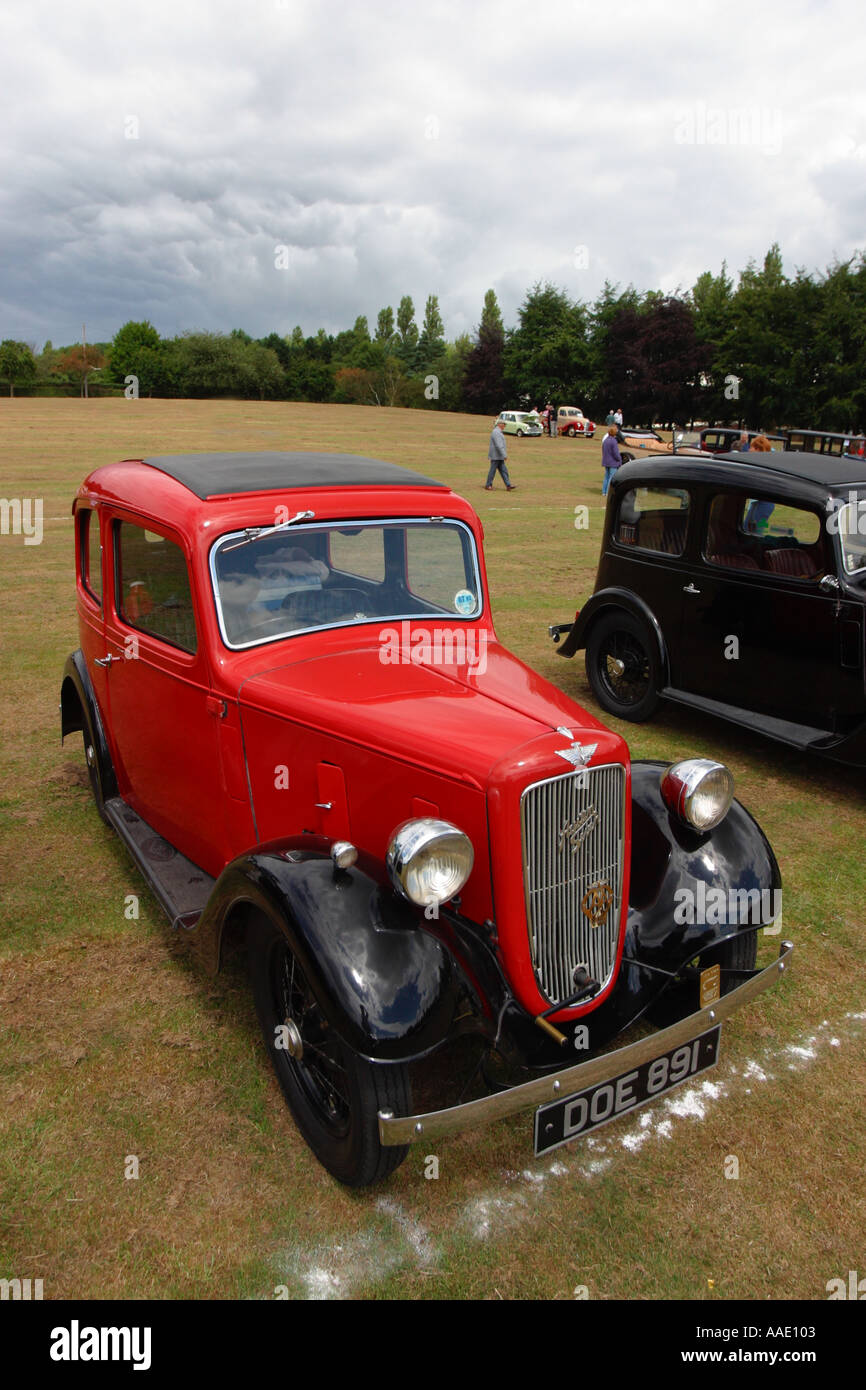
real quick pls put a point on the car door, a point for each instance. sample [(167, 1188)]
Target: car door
[(650, 535), (758, 633), (163, 715), (90, 594)]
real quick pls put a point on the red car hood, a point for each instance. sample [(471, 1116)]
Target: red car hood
[(458, 720)]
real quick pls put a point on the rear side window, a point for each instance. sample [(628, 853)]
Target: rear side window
[(654, 518), (757, 534), (91, 554), (153, 589)]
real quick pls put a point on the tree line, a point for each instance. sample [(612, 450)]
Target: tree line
[(768, 351)]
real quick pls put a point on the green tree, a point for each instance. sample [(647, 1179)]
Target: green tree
[(17, 364), (407, 334), (385, 327), (431, 342), (548, 354), (483, 383)]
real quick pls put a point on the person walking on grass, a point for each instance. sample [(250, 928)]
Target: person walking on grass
[(610, 457), (497, 454)]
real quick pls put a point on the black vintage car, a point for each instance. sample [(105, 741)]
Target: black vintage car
[(737, 586)]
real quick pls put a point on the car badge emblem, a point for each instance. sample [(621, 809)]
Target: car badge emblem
[(574, 832), (596, 902), (578, 754)]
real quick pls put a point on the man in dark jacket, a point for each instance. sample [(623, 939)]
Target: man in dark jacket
[(497, 454)]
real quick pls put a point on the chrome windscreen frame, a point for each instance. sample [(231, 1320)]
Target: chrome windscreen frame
[(335, 523)]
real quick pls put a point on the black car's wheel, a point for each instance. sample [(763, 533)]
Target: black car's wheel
[(334, 1095), (622, 667)]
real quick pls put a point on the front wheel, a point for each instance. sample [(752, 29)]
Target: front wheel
[(571, 431), (622, 667), (520, 434), (334, 1095)]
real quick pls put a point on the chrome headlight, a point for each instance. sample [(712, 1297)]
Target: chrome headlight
[(429, 860), (698, 791)]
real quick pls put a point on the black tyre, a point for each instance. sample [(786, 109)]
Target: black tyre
[(520, 434), (622, 667), (334, 1095), (95, 770), (570, 431)]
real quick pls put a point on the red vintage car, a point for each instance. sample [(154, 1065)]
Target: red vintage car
[(298, 718)]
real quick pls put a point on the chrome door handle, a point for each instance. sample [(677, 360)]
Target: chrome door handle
[(104, 660), (690, 589)]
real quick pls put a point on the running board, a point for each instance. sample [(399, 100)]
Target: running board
[(181, 886), (799, 735)]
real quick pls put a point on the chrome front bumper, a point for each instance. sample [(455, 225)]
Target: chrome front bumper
[(557, 1086)]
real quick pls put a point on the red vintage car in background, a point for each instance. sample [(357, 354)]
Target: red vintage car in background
[(297, 716), (570, 420)]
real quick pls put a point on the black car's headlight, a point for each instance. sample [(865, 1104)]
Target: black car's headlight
[(429, 860), (698, 791)]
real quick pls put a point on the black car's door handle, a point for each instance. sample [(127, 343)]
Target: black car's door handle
[(690, 589)]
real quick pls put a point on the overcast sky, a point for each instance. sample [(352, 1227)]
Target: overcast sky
[(210, 164)]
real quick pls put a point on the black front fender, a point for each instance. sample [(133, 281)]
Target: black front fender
[(387, 986), (608, 601), (733, 864)]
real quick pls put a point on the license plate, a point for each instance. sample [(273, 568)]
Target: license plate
[(574, 1116)]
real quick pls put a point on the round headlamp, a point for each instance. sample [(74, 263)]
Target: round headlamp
[(699, 792), (429, 860)]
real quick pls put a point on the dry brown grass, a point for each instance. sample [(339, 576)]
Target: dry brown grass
[(114, 1045)]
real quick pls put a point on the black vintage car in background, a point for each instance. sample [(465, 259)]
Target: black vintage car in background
[(735, 585)]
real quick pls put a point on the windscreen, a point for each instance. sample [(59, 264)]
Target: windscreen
[(280, 583)]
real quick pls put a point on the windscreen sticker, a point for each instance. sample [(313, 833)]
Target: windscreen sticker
[(464, 601)]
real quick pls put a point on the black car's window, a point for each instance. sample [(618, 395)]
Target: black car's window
[(153, 589), (850, 523), (653, 518), (760, 535), (91, 554), (335, 575)]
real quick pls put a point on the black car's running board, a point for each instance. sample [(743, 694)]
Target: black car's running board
[(181, 886), (799, 735)]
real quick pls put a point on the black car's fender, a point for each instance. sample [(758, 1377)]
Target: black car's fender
[(606, 601), (390, 988), (668, 858), (79, 711)]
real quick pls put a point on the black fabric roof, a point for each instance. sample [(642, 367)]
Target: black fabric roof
[(218, 475)]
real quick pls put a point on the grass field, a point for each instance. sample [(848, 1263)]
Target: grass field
[(113, 1046)]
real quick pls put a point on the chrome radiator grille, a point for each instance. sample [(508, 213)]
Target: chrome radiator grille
[(573, 831)]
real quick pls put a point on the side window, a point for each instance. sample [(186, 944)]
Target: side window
[(754, 533), (91, 553), (153, 590), (654, 518)]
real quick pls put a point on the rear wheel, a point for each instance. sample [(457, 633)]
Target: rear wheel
[(622, 667), (334, 1095)]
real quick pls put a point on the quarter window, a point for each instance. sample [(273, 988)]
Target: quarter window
[(153, 589), (91, 554), (758, 534), (654, 518)]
